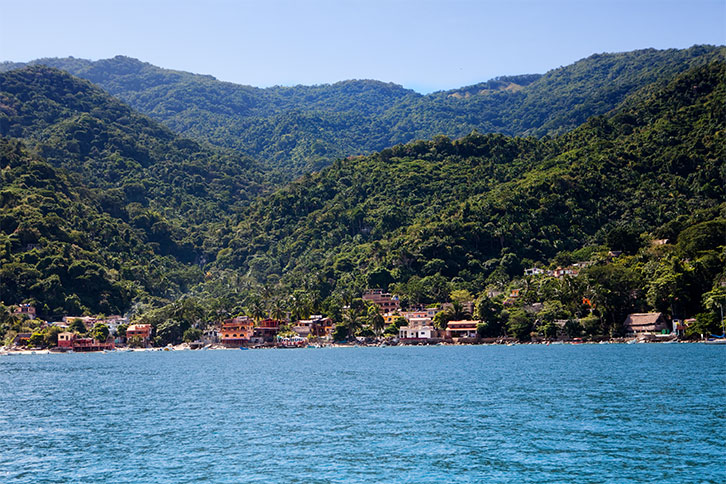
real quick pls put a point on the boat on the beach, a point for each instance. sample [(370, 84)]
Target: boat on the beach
[(721, 341)]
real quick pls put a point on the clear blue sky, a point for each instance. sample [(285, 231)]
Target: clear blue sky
[(423, 44)]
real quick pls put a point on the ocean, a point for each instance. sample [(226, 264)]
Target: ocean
[(446, 414)]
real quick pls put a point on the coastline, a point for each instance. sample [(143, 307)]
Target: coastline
[(186, 347)]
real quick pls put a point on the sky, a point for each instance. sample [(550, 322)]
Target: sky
[(426, 45)]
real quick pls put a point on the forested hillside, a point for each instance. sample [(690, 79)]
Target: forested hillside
[(434, 216), (98, 181), (300, 129), (62, 251), (172, 187), (103, 208)]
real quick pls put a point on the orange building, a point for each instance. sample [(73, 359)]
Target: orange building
[(237, 331), (142, 331)]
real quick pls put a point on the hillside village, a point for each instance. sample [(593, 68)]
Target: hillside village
[(377, 317)]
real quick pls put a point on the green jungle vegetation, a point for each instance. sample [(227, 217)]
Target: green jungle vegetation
[(102, 205), (60, 250), (300, 129), (106, 211), (432, 217)]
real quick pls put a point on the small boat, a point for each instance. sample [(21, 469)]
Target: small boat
[(243, 348), (632, 341), (721, 341)]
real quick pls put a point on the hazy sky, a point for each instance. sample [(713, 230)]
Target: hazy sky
[(424, 45)]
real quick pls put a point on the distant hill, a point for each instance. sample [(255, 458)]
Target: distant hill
[(104, 209), (296, 130)]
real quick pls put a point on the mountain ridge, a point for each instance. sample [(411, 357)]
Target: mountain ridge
[(298, 129)]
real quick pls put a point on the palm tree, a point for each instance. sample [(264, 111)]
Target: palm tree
[(256, 309), (353, 318), (277, 310), (299, 305), (375, 320)]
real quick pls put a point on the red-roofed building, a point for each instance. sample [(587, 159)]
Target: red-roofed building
[(142, 331), (72, 341), (267, 330)]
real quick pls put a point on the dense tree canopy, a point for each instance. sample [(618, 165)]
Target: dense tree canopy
[(301, 129), (106, 211)]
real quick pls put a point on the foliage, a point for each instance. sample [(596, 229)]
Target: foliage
[(442, 216), (192, 334), (99, 332), (105, 211), (301, 129)]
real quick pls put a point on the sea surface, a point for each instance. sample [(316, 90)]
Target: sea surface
[(469, 414)]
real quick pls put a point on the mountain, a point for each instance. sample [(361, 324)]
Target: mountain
[(300, 129), (84, 172), (434, 215)]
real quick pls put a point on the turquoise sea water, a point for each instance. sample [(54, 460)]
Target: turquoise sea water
[(534, 414)]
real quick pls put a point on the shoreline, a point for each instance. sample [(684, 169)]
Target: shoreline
[(182, 347)]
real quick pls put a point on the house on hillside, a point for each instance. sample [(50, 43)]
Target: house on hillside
[(385, 301), (88, 321), (640, 323), (25, 310)]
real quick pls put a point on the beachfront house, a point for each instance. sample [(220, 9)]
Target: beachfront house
[(142, 331), (237, 332), (266, 331), (418, 329), (461, 330), (71, 341), (642, 323)]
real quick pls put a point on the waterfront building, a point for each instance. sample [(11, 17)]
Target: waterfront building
[(317, 326), (237, 332), (418, 329), (71, 341), (266, 330), (461, 329), (142, 331), (638, 323)]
